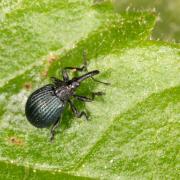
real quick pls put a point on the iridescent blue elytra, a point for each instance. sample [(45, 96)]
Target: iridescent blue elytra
[(45, 106)]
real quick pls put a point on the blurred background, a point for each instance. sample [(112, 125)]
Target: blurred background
[(168, 23)]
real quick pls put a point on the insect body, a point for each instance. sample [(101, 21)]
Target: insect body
[(45, 105)]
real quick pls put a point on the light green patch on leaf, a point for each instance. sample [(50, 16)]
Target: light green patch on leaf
[(142, 117), (133, 128), (36, 29)]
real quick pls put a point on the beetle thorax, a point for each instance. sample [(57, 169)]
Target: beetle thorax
[(64, 92)]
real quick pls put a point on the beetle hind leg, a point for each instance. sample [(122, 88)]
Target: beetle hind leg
[(53, 129)]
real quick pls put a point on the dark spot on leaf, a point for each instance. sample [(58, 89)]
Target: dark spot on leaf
[(28, 86), (16, 141), (44, 73)]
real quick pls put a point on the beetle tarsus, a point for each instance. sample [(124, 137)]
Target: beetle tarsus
[(89, 99), (53, 128), (65, 73), (99, 93), (76, 112)]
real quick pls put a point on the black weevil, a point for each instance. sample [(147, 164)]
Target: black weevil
[(45, 105)]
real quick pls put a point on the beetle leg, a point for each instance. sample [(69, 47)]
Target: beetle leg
[(53, 128), (65, 75), (79, 69), (57, 82), (76, 112), (88, 99), (83, 67), (83, 98)]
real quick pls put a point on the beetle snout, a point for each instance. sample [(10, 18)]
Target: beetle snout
[(75, 84)]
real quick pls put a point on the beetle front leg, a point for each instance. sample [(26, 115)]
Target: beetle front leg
[(78, 69), (65, 73), (83, 66), (76, 112)]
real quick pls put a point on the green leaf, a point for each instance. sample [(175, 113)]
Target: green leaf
[(133, 128)]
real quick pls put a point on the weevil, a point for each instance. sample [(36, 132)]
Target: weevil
[(45, 105)]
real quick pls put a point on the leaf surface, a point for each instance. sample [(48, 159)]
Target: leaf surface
[(133, 128)]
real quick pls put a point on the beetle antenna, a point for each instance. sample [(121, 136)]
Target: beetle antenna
[(86, 69), (87, 75), (106, 83)]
